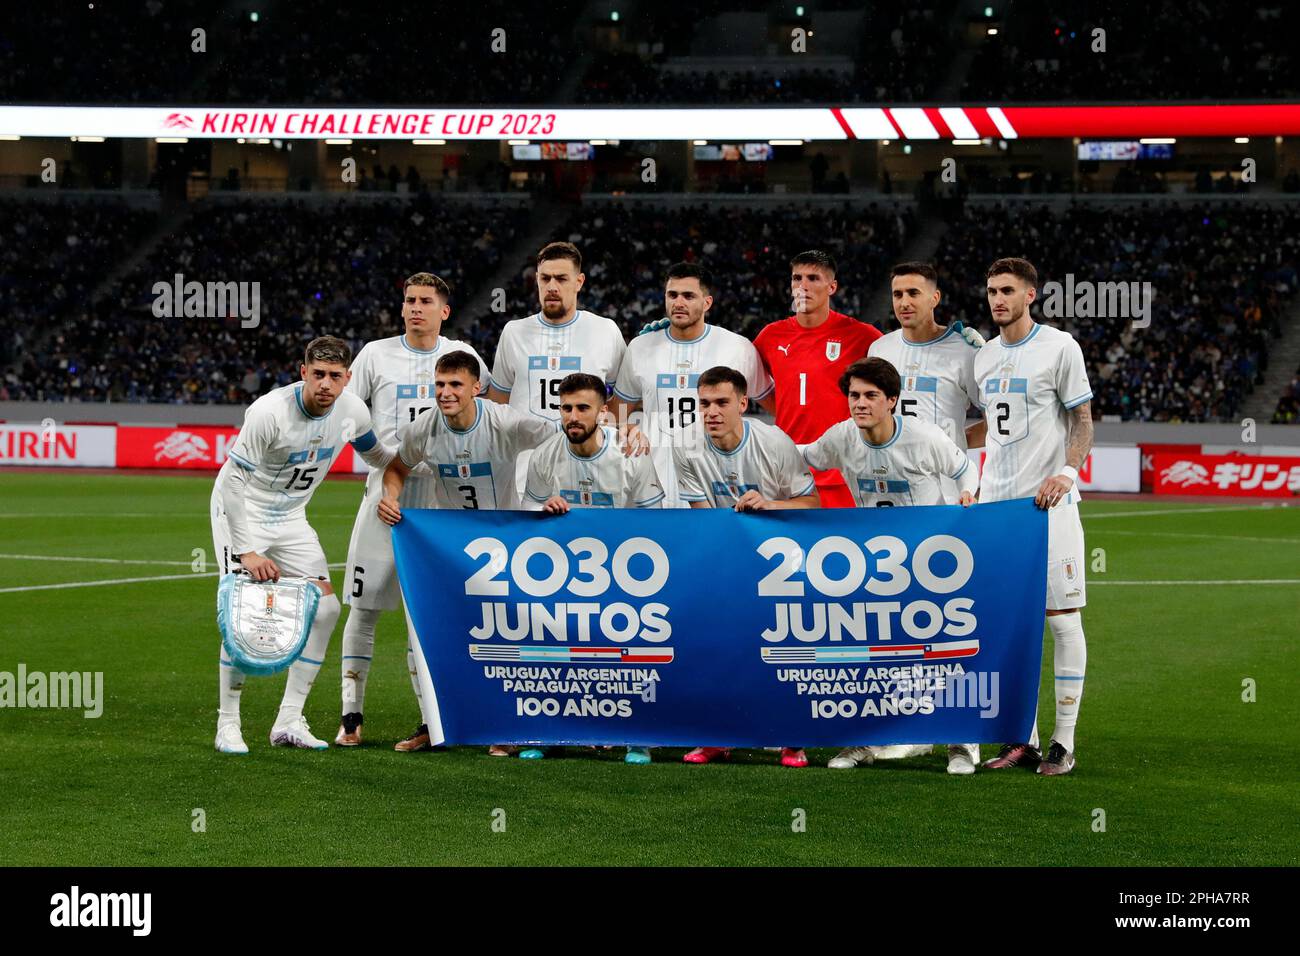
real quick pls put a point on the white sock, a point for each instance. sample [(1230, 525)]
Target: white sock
[(303, 671), (231, 682), (358, 649), (1068, 664), (410, 665)]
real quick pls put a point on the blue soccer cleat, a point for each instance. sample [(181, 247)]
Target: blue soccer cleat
[(637, 755), (533, 753)]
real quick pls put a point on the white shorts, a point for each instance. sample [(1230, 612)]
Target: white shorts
[(1066, 586), (371, 582), (293, 545)]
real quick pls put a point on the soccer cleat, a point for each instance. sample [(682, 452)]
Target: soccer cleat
[(296, 733), (1014, 755), (416, 742), (1057, 762), (637, 755), (349, 734), (901, 751), (501, 750), (962, 759), (229, 739), (533, 753), (707, 755), (852, 757), (793, 757)]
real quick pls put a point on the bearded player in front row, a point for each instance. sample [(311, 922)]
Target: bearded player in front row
[(743, 465), (585, 467), (284, 449), (468, 446), (395, 378), (891, 460), (1037, 401)]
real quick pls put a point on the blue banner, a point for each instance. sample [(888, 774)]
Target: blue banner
[(700, 627)]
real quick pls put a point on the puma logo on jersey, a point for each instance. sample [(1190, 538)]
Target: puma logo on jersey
[(784, 349)]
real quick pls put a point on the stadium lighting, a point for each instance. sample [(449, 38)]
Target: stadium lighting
[(262, 142), (9, 137), (907, 149), (338, 142), (160, 139), (1242, 140), (993, 31), (885, 142), (428, 142), (254, 16), (785, 142), (988, 11), (613, 16), (87, 139), (1158, 141), (597, 142), (699, 142), (798, 11), (966, 142), (516, 142)]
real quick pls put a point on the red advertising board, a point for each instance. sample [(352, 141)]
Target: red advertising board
[(202, 447), (1149, 452), (1235, 476)]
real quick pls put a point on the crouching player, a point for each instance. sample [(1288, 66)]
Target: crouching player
[(469, 447), (745, 466), (889, 460), (585, 467), (288, 441)]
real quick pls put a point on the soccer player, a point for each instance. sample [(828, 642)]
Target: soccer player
[(1037, 401), (284, 449), (937, 368), (660, 371), (467, 446), (890, 459), (394, 377), (806, 354), (586, 468), (744, 465), (535, 354)]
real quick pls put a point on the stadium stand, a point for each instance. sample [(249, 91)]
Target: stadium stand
[(1223, 276), (343, 277)]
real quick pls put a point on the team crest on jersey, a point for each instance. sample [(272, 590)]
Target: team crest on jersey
[(1070, 569), (1004, 385), (909, 383), (315, 447), (832, 350), (422, 391), (882, 486), (463, 470), (733, 485)]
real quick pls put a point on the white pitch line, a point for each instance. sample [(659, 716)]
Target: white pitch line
[(1192, 534), (1181, 511), (1199, 583), (93, 584), (77, 560)]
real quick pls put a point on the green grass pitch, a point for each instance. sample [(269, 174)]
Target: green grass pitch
[(1185, 771)]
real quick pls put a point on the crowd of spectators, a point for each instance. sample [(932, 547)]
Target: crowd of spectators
[(1222, 278), (333, 268)]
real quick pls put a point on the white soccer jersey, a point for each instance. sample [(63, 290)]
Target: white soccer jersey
[(287, 452), (662, 373), (396, 381), (474, 468), (1026, 390), (906, 470), (766, 460), (608, 479), (938, 378), (534, 356)]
